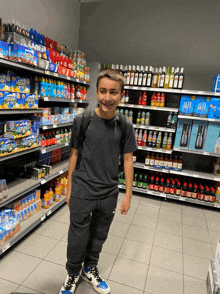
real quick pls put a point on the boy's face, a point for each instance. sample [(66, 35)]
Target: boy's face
[(109, 95)]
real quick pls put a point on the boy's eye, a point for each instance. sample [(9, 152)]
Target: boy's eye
[(113, 92)]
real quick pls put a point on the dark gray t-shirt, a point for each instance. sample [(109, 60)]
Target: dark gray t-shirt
[(97, 175)]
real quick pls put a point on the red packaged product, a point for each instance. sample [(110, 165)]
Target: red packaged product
[(201, 193), (173, 188), (151, 184), (167, 187), (144, 98), (189, 192), (212, 194), (184, 190), (195, 191)]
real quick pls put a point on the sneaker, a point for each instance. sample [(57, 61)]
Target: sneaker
[(69, 285), (92, 276)]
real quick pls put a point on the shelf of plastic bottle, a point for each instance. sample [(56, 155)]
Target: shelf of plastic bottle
[(30, 223), (149, 107), (193, 201), (196, 174), (18, 188), (195, 152), (18, 65), (143, 166), (57, 170), (145, 191), (54, 147), (48, 127), (155, 149), (198, 118), (20, 111), (174, 91), (63, 77), (20, 153), (169, 130), (59, 99)]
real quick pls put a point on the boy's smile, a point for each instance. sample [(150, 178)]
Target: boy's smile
[(109, 95)]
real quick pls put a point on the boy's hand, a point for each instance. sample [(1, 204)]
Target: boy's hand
[(125, 205), (68, 197)]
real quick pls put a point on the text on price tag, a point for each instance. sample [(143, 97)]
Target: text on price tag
[(6, 247)]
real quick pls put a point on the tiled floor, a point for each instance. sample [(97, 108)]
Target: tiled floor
[(160, 247)]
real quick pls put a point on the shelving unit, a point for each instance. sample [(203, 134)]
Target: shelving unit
[(20, 111), (9, 156), (51, 148), (153, 128), (149, 107), (62, 100), (54, 126), (143, 166), (155, 150), (195, 152)]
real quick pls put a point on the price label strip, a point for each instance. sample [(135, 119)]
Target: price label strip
[(182, 198), (68, 78), (49, 212), (61, 172), (46, 99), (47, 72), (43, 151), (43, 182), (56, 74), (43, 217), (6, 247)]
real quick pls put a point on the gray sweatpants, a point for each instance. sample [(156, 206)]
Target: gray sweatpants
[(90, 221)]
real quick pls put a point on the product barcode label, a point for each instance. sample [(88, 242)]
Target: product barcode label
[(217, 205), (45, 127), (43, 217), (43, 182), (49, 212), (56, 74), (6, 247), (43, 151), (182, 199), (77, 80), (47, 72), (61, 172), (54, 126), (46, 99), (66, 144), (68, 78)]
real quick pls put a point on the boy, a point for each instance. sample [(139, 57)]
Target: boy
[(94, 186)]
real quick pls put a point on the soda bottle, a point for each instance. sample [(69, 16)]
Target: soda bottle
[(140, 99), (130, 115), (144, 98), (174, 121), (138, 121), (126, 112), (140, 181), (142, 119), (135, 180), (159, 140), (153, 99), (144, 186), (144, 139), (136, 134), (149, 139), (162, 100), (158, 100), (147, 119), (152, 160), (140, 138), (169, 142), (126, 99), (154, 140), (46, 200), (169, 120)]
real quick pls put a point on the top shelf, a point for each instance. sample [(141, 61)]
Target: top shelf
[(13, 64), (174, 91)]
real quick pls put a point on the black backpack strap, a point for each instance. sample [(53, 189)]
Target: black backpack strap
[(122, 122), (82, 134)]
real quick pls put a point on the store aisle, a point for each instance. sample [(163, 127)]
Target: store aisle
[(160, 247)]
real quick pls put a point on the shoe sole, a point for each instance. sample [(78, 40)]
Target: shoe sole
[(85, 278)]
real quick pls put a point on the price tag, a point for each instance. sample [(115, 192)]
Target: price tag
[(135, 88), (129, 105), (146, 167), (68, 78), (61, 172), (182, 199), (195, 176), (66, 144), (120, 186), (217, 179), (54, 126), (217, 205), (43, 217), (139, 147), (77, 80), (206, 153), (47, 72), (45, 127), (43, 182), (55, 74), (46, 99), (72, 100), (84, 82), (6, 247), (49, 212), (43, 151), (201, 92)]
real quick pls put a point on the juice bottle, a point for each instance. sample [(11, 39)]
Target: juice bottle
[(147, 159), (138, 121), (139, 138), (131, 83), (51, 196), (153, 99), (140, 99), (57, 193), (175, 163), (170, 163), (156, 162), (46, 200), (171, 79), (147, 119), (161, 161), (169, 142), (144, 186), (140, 181), (154, 140), (162, 100), (142, 119), (144, 80), (155, 79), (159, 140), (149, 139), (128, 76), (158, 100), (164, 144)]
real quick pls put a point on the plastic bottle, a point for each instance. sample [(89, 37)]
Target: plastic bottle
[(169, 119), (164, 144), (149, 139), (46, 200), (144, 139), (140, 138), (144, 98), (153, 99), (142, 118), (135, 180), (140, 99), (51, 196), (162, 100), (138, 121), (147, 119), (159, 140), (169, 142), (57, 193)]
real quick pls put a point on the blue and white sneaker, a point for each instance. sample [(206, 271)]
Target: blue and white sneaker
[(92, 276), (69, 286)]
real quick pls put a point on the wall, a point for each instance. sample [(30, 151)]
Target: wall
[(157, 33), (57, 19)]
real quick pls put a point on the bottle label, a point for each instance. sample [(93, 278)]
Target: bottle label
[(147, 161), (188, 194), (167, 80), (178, 191), (174, 165), (134, 183), (128, 78), (175, 82), (179, 166), (161, 81), (132, 79), (144, 80), (149, 80), (140, 79), (139, 184), (136, 79), (171, 82), (151, 162), (161, 163), (156, 163), (170, 164), (165, 164), (180, 85)]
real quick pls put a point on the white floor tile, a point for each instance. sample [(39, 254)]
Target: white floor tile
[(194, 221), (170, 227), (7, 287), (53, 229), (196, 233), (22, 289), (140, 234), (144, 221), (194, 286), (112, 245), (197, 248), (168, 241), (195, 267), (117, 288), (170, 216), (176, 207), (58, 253)]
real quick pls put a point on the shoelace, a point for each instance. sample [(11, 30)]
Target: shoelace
[(71, 281), (95, 273)]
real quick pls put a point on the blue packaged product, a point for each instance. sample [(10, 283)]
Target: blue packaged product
[(30, 141), (1, 99), (186, 105), (8, 82), (53, 67), (13, 82), (17, 129), (213, 138), (2, 82), (198, 135), (24, 54), (217, 83), (31, 101), (4, 49), (214, 108), (28, 85), (21, 84), (35, 126), (21, 101), (201, 106), (214, 83)]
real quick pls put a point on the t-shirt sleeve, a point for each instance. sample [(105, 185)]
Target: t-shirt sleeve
[(130, 140), (74, 141)]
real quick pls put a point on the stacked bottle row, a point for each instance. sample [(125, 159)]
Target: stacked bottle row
[(162, 77), (180, 186), (154, 139), (164, 162), (59, 89), (55, 137)]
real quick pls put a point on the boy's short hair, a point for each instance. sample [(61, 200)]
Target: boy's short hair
[(112, 74)]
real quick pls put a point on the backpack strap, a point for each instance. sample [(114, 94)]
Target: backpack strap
[(82, 134), (122, 122)]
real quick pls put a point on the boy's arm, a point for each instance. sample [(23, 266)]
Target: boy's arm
[(72, 164), (129, 172)]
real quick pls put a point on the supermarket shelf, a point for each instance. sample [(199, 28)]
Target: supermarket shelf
[(20, 111), (198, 118), (196, 174), (18, 188), (145, 191), (195, 152), (30, 223), (51, 148), (14, 64), (174, 91), (143, 166), (193, 201), (9, 156), (57, 170), (48, 127), (149, 107), (155, 128), (55, 99), (155, 150)]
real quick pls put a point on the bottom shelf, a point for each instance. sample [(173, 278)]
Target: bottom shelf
[(173, 197), (31, 223)]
